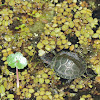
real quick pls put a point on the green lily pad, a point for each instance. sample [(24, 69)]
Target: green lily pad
[(17, 60)]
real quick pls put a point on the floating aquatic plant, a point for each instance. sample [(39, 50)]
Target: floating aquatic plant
[(2, 90), (17, 61)]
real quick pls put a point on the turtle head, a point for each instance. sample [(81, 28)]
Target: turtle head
[(47, 58)]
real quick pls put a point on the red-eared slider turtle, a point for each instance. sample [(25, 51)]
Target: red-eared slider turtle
[(67, 65)]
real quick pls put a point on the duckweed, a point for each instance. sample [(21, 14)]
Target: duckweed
[(41, 80), (44, 75), (28, 95), (47, 81), (28, 25), (31, 90), (41, 52), (2, 89), (36, 94), (10, 96), (48, 47), (42, 92)]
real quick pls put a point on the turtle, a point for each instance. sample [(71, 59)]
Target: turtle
[(67, 65)]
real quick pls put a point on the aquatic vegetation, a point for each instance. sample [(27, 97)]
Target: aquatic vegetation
[(10, 96), (30, 50), (79, 84), (57, 34), (95, 60), (2, 90), (45, 76), (84, 97), (5, 53), (36, 27), (96, 44), (17, 61), (6, 17), (44, 93)]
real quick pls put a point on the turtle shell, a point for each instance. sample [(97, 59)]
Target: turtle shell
[(68, 65)]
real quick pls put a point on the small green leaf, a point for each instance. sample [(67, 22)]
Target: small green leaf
[(11, 60), (17, 60)]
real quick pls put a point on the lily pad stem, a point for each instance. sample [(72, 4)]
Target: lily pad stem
[(17, 78)]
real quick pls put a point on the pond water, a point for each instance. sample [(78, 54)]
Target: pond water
[(46, 27)]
